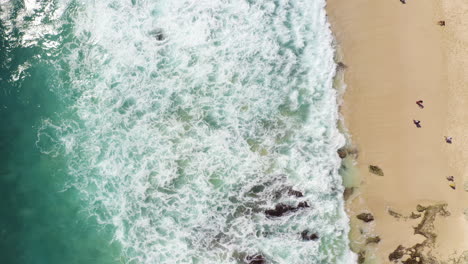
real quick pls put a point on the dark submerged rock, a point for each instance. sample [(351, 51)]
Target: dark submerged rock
[(342, 153), (256, 189), (345, 151), (308, 237), (256, 259), (376, 170), (292, 192), (366, 217), (341, 66), (282, 209), (158, 34)]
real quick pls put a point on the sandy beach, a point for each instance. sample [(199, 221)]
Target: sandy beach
[(396, 54)]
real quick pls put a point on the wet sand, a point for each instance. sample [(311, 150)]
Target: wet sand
[(395, 55)]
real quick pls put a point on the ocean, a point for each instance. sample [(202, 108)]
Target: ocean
[(169, 131)]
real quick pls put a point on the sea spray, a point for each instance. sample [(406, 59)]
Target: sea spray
[(188, 120)]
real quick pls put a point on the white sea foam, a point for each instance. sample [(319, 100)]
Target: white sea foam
[(192, 116)]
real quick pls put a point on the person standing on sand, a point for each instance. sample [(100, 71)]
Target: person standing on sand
[(417, 123), (448, 140), (420, 103)]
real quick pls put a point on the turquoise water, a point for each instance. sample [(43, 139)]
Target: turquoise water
[(164, 131), (40, 222)]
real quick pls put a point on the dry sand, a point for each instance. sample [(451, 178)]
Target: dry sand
[(397, 54)]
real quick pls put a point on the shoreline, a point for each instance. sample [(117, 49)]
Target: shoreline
[(396, 54)]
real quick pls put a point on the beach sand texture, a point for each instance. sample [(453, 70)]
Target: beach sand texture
[(397, 54)]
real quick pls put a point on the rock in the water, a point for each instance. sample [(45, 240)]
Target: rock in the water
[(366, 217), (257, 189), (282, 209), (256, 259), (342, 153), (376, 170), (375, 239), (341, 66), (292, 192), (307, 237), (158, 34), (397, 254)]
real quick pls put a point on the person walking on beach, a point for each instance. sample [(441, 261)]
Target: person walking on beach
[(448, 140), (417, 123), (420, 103)]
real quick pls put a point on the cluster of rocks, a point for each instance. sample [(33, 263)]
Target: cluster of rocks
[(366, 218), (281, 209), (420, 252), (411, 255)]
